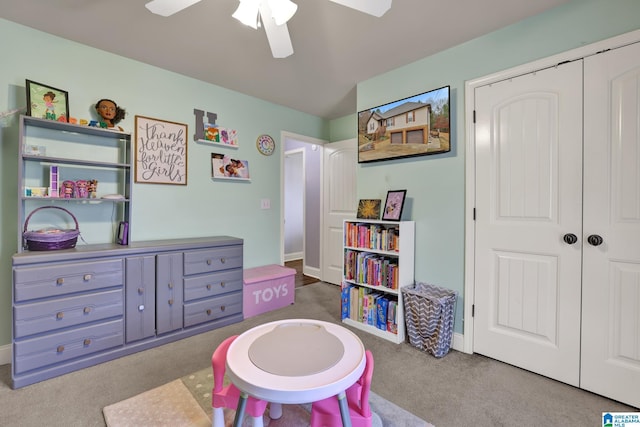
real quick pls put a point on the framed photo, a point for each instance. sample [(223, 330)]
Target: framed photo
[(47, 102), (160, 151), (393, 205), (369, 209), (224, 167), (415, 126)]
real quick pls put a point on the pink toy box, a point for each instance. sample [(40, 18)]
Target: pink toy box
[(267, 288)]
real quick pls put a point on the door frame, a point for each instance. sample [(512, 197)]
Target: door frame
[(284, 136), (470, 161), (296, 152)]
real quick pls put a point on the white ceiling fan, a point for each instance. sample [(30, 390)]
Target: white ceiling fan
[(273, 14)]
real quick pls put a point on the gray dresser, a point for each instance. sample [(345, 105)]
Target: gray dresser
[(79, 307)]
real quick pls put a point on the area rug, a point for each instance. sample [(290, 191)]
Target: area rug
[(187, 403)]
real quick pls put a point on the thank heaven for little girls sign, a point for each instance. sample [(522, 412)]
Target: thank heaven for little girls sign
[(160, 151)]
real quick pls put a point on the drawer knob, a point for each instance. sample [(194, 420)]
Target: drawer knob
[(209, 286), (222, 260), (141, 307), (87, 277), (222, 308), (208, 312), (222, 284), (86, 310), (60, 281), (208, 262), (87, 341), (59, 315), (140, 291), (171, 301), (60, 349), (170, 285)]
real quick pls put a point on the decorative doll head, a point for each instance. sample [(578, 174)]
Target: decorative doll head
[(109, 112)]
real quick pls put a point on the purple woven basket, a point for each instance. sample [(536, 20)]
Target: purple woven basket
[(50, 240)]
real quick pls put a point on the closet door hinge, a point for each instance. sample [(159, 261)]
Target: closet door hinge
[(474, 116), (474, 214), (473, 310)]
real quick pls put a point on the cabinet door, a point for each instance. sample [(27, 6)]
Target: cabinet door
[(140, 297), (169, 292)]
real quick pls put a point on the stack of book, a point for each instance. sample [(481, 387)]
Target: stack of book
[(370, 268), (372, 236), (367, 306)]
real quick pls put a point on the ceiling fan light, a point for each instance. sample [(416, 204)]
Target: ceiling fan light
[(247, 13), (282, 10)]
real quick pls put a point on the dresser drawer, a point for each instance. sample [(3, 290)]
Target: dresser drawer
[(212, 284), (209, 260), (38, 317), (211, 309), (59, 347), (60, 279)]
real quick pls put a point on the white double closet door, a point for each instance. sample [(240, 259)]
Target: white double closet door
[(557, 244)]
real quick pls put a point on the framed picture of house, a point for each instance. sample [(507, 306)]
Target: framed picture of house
[(393, 205), (47, 102), (415, 126)]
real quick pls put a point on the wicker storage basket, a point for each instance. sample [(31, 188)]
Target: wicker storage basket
[(429, 314), (49, 240)]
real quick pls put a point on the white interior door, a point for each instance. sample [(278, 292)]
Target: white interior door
[(528, 146), (611, 280), (340, 203), (294, 201)]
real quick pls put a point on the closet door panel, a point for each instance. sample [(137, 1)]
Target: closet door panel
[(611, 284), (528, 196)]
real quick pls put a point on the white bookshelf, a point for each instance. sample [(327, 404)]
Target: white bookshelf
[(403, 255)]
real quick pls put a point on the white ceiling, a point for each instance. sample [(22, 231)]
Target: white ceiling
[(334, 47)]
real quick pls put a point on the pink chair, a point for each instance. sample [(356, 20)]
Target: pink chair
[(228, 396), (326, 413)]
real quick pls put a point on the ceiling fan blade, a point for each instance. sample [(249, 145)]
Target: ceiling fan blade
[(277, 35), (169, 7), (376, 8)]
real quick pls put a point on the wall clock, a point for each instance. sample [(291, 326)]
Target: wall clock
[(266, 145)]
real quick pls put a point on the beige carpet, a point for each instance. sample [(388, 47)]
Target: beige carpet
[(187, 403)]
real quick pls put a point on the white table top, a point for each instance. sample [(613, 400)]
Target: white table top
[(295, 360)]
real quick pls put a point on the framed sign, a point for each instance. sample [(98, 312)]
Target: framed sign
[(393, 205), (47, 102), (160, 151)]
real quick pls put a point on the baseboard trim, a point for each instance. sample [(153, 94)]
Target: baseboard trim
[(5, 354), (293, 256), (311, 271), (457, 342)]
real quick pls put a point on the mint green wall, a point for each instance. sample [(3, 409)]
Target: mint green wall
[(435, 184), (343, 128), (203, 207)]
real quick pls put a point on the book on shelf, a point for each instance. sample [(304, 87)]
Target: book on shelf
[(344, 300), (392, 316), (366, 306), (372, 236)]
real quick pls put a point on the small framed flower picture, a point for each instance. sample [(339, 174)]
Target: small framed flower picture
[(369, 209), (393, 205), (47, 102)]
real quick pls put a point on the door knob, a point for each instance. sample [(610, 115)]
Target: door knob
[(595, 240), (570, 238)]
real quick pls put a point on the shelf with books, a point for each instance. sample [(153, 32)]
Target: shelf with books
[(378, 260)]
